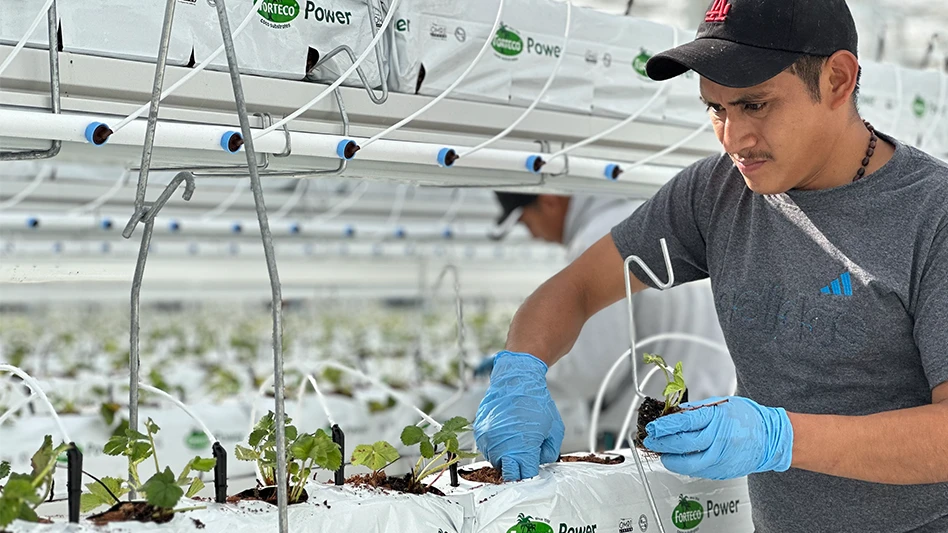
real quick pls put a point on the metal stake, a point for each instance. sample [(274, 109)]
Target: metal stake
[(55, 103), (146, 214), (277, 298), (149, 146)]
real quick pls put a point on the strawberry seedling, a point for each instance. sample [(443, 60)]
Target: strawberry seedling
[(23, 493)]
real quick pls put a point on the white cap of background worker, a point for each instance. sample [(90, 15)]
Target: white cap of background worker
[(827, 246)]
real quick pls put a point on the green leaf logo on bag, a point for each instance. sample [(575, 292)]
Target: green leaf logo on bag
[(688, 514), (919, 106), (279, 11), (197, 440), (525, 524), (639, 62), (507, 42)]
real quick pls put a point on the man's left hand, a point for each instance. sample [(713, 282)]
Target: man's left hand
[(724, 441)]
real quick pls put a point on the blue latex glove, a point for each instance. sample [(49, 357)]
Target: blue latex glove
[(485, 367), (518, 426), (726, 441)]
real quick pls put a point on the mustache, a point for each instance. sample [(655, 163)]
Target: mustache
[(754, 156)]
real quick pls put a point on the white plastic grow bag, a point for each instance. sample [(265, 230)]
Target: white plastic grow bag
[(620, 47), (125, 29), (329, 509), (921, 104), (879, 96), (587, 498), (436, 40)]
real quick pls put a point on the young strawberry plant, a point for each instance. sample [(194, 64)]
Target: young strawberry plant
[(23, 493), (437, 453), (305, 452), (161, 491)]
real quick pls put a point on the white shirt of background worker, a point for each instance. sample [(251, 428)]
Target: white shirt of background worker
[(577, 222)]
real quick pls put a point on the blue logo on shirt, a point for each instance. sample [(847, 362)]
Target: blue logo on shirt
[(841, 286)]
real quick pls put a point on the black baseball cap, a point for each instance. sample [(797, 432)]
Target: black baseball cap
[(743, 43), (511, 204)]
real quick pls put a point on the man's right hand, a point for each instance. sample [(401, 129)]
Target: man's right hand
[(518, 426)]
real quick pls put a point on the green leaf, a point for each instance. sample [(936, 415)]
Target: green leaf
[(162, 490), (88, 502), (671, 388), (427, 449), (375, 456), (108, 411), (134, 435), (290, 432), (116, 485), (139, 452), (654, 359), (4, 469), (302, 447), (43, 456), (465, 455), (458, 424), (245, 454), (21, 489), (116, 445), (27, 513), (152, 427), (413, 435), (678, 369), (203, 464), (196, 486), (9, 509), (256, 436), (326, 453)]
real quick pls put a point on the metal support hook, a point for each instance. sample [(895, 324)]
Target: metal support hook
[(147, 215), (459, 309)]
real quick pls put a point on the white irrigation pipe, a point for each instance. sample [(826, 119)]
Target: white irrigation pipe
[(16, 407), (319, 393), (108, 195), (628, 120), (341, 79), (192, 73), (45, 172), (447, 91), (183, 407), (536, 102), (35, 387), (22, 42), (627, 423)]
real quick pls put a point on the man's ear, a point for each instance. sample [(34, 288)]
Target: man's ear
[(840, 75)]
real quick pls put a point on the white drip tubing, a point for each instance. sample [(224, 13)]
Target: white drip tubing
[(108, 195), (16, 407), (35, 387), (450, 88), (22, 42), (191, 73), (45, 172), (183, 407), (322, 399)]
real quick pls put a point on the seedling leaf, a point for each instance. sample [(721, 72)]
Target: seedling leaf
[(653, 358), (9, 509), (375, 456), (4, 469), (99, 496), (203, 465), (465, 455), (427, 449), (245, 454), (326, 453), (458, 424), (162, 491), (116, 445), (21, 489), (672, 388), (152, 426), (27, 513), (43, 456), (413, 435), (196, 486)]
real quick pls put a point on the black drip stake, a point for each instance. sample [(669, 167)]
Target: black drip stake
[(220, 473), (340, 438), (453, 471), (73, 480)]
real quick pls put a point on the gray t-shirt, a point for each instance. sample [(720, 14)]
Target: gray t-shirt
[(832, 302)]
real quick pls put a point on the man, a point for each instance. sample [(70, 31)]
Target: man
[(827, 244), (577, 223)]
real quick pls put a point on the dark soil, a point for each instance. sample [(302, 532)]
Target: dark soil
[(402, 484), (132, 511), (651, 409), (197, 523), (612, 460), (263, 494), (487, 474)]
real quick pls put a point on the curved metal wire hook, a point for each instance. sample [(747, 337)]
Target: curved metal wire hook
[(628, 300), (148, 213), (459, 308)]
